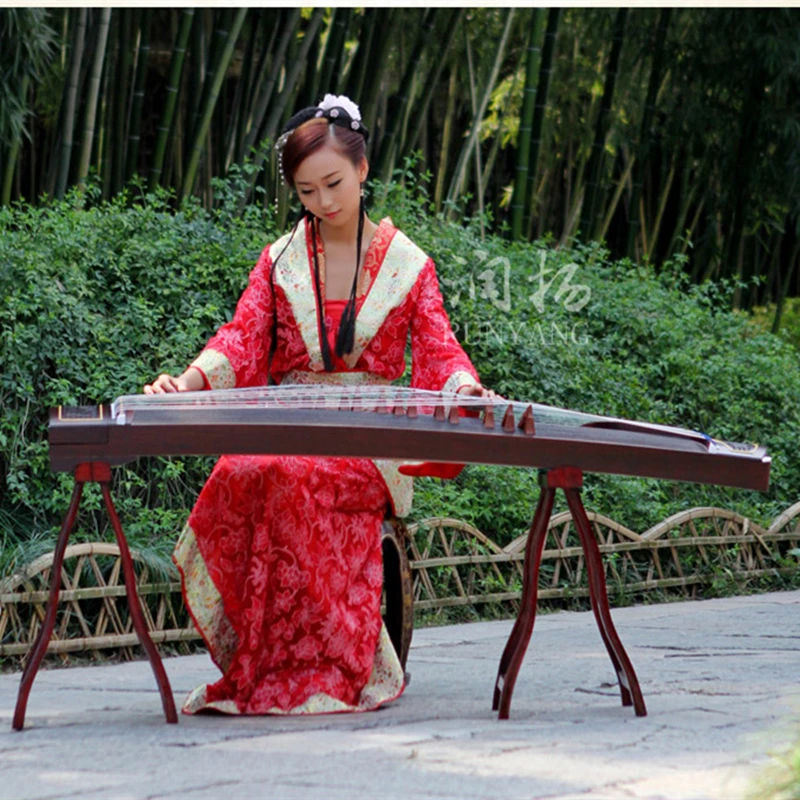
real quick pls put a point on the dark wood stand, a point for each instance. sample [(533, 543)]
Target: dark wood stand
[(568, 479), (571, 481), (91, 473)]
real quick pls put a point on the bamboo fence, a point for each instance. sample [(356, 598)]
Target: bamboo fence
[(458, 573)]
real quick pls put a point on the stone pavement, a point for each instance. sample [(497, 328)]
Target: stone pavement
[(721, 679)]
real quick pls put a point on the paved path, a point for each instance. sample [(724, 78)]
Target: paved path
[(721, 679)]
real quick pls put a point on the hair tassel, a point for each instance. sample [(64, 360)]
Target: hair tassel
[(345, 338)]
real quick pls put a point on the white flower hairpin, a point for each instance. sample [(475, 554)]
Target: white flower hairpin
[(332, 101)]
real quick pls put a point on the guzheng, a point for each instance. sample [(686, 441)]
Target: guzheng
[(398, 423), (388, 422)]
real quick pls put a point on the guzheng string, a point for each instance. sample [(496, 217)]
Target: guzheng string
[(356, 398), (315, 397), (370, 398)]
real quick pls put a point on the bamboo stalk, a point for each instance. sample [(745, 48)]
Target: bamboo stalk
[(166, 122), (447, 134), (137, 95), (357, 74), (650, 251), (376, 69), (400, 102), (421, 108), (289, 31), (326, 78), (70, 97), (791, 268), (612, 206), (590, 202), (238, 114), (526, 124), (92, 95), (539, 113), (693, 225), (472, 140), (687, 195), (288, 91), (198, 145), (478, 171), (13, 154), (119, 105), (656, 71), (293, 75)]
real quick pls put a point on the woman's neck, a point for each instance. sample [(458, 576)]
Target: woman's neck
[(346, 235)]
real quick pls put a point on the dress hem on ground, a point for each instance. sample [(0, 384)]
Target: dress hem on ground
[(386, 683), (203, 601)]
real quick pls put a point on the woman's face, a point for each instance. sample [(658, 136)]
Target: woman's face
[(329, 185)]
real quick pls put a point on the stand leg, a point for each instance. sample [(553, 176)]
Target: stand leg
[(36, 654), (136, 612), (517, 644), (628, 683)]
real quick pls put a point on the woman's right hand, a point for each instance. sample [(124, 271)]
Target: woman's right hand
[(163, 384), (190, 381)]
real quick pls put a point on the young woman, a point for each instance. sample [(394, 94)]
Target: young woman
[(281, 556)]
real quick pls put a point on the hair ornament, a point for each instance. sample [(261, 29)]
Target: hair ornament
[(333, 103)]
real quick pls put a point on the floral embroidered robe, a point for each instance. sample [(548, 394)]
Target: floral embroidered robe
[(281, 556)]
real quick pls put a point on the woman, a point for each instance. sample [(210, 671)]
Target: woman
[(281, 556)]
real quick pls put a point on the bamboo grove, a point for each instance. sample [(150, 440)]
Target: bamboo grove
[(660, 131)]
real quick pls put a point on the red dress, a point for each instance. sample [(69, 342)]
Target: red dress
[(281, 556)]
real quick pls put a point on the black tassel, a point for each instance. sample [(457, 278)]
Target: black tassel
[(323, 331), (345, 338)]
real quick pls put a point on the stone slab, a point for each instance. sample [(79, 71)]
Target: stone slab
[(721, 679)]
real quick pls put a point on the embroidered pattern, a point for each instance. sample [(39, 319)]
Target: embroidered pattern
[(295, 276), (402, 263), (203, 600), (459, 379), (216, 368), (401, 487), (386, 683)]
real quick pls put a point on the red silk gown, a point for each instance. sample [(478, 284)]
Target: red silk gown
[(281, 556)]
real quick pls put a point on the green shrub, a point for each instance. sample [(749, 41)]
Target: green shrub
[(763, 318), (99, 297)]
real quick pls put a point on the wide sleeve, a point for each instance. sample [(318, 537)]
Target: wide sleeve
[(237, 355), (438, 362)]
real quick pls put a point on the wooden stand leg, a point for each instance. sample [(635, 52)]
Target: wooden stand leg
[(570, 480), (517, 644), (628, 682), (85, 473), (36, 654), (135, 611)]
